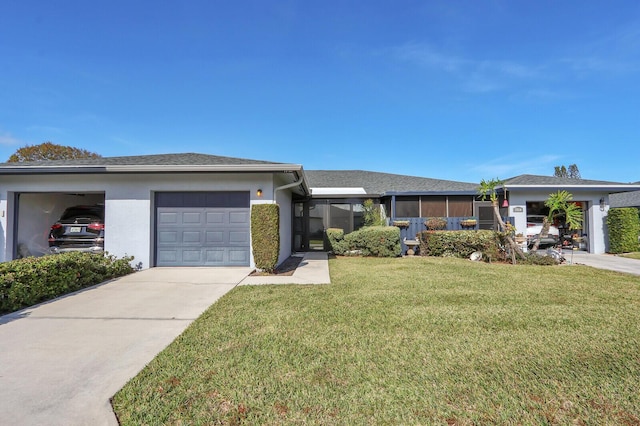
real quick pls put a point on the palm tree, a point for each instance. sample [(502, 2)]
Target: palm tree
[(559, 203), (487, 189)]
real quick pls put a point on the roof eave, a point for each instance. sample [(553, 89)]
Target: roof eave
[(336, 196), (391, 193), (239, 168), (612, 188)]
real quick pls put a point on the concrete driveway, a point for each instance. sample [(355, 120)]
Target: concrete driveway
[(61, 361), (604, 261)]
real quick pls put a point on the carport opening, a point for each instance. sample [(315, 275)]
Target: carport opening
[(569, 238), (37, 212)]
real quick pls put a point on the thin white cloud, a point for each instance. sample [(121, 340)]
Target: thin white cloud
[(506, 167), (44, 129), (7, 140), (479, 76), (426, 55), (615, 52)]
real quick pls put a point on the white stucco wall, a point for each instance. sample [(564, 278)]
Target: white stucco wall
[(129, 204), (284, 200), (597, 234)]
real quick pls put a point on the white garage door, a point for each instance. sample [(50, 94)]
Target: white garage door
[(202, 228)]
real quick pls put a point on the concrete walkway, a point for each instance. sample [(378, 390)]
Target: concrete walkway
[(603, 261), (61, 361), (313, 269)]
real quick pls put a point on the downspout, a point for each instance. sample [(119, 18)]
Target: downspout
[(289, 185)]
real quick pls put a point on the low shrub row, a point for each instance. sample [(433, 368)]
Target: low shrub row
[(460, 244), (384, 241), (25, 282), (377, 241)]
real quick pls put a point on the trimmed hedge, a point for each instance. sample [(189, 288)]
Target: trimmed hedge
[(460, 244), (377, 241), (265, 235), (624, 228), (26, 282), (335, 239)]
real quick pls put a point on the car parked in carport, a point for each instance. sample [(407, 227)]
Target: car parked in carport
[(534, 227), (80, 228)]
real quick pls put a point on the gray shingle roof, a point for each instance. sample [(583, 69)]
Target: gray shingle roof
[(381, 183), (187, 159), (537, 180), (625, 199)]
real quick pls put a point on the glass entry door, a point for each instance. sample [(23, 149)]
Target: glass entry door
[(308, 226), (484, 212), (312, 218)]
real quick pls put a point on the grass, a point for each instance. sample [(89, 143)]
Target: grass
[(406, 341), (634, 255)]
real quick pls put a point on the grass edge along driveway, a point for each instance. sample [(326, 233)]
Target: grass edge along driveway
[(411, 341)]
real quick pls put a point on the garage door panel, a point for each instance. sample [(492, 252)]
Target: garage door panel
[(167, 256), (214, 237), (215, 256), (199, 230), (238, 217), (192, 256), (189, 237), (167, 218), (215, 218), (238, 237), (190, 218), (238, 256), (167, 237)]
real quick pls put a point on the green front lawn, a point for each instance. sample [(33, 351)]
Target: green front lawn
[(406, 341)]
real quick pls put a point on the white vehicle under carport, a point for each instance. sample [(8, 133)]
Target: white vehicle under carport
[(534, 228)]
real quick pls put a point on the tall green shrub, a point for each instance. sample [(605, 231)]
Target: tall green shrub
[(337, 244), (624, 228), (371, 213), (265, 235)]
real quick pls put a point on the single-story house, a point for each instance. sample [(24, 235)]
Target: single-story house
[(194, 209)]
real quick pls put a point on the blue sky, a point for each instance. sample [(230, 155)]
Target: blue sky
[(460, 90)]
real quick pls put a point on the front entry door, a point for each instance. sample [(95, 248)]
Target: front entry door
[(486, 218)]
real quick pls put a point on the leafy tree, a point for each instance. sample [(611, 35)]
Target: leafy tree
[(371, 214), (487, 189), (49, 151), (572, 172), (559, 203)]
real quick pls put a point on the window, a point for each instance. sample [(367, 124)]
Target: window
[(407, 207), (460, 206), (434, 206)]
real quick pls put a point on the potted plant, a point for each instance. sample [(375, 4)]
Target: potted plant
[(469, 222), (436, 223), (401, 223)]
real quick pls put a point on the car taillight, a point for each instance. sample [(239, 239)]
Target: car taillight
[(96, 226), (56, 226)]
